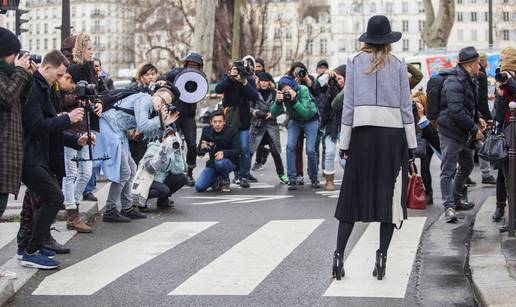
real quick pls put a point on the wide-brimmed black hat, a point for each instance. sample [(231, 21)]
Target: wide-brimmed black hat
[(379, 32)]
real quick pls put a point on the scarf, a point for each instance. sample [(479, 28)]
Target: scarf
[(6, 68)]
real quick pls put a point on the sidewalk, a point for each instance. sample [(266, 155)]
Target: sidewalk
[(9, 228), (492, 260)]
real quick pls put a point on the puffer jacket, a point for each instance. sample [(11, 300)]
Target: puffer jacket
[(174, 165), (459, 105), (302, 109)]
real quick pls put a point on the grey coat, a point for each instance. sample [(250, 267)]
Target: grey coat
[(270, 126)]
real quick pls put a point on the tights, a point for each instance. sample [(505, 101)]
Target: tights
[(345, 228)]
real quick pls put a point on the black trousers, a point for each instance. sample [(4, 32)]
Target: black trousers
[(138, 149), (426, 175), (3, 202), (171, 185), (188, 128), (501, 191), (276, 156), (46, 186), (262, 153)]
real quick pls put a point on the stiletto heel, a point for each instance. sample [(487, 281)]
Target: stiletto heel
[(338, 266), (379, 267)]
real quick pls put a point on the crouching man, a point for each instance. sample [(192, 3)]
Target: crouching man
[(223, 145)]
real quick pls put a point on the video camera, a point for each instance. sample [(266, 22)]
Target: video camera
[(245, 66), (35, 58), (86, 91)]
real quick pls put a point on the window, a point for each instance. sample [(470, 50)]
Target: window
[(506, 35), (45, 28), (389, 8), (289, 53), (277, 33), (404, 26), (54, 43), (323, 46), (406, 45), (342, 9), (486, 16), (30, 44), (421, 45), (474, 35), (323, 30), (45, 43), (342, 45), (372, 8), (473, 16), (404, 7), (460, 35), (37, 44), (421, 25), (459, 1), (506, 16), (309, 46), (289, 34), (460, 17)]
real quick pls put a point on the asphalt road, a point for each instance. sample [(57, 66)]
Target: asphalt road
[(264, 247)]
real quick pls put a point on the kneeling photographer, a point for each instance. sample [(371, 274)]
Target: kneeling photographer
[(165, 160), (222, 143)]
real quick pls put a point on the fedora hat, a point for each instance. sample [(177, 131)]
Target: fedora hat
[(379, 32)]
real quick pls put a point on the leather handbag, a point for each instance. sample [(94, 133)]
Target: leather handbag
[(416, 197), (494, 148)]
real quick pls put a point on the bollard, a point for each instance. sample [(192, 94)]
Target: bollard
[(510, 134)]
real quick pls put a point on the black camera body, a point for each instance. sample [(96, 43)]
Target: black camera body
[(35, 58), (301, 72), (287, 97), (86, 91), (500, 76), (332, 82), (243, 68), (171, 108)]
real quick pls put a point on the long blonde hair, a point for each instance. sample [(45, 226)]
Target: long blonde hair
[(381, 56)]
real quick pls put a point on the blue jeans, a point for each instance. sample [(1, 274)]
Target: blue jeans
[(329, 155), (77, 176), (207, 177), (93, 181), (245, 155), (295, 128)]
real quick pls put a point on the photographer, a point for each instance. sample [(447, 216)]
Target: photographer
[(15, 83), (331, 120), (165, 160), (78, 174), (239, 89), (43, 164), (137, 111), (296, 101), (222, 143), (264, 127), (459, 128), (186, 123)]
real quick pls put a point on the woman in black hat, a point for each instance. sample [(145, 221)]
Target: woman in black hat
[(376, 134)]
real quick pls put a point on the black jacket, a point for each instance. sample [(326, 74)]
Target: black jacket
[(330, 118), (502, 105), (483, 106), (237, 95), (459, 105), (228, 140), (44, 131)]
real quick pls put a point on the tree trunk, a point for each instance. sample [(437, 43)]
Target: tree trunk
[(438, 28), (204, 33)]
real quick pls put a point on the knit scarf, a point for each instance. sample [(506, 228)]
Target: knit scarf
[(6, 68)]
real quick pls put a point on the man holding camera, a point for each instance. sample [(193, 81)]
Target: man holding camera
[(460, 127), (222, 143), (43, 165), (302, 111), (239, 89)]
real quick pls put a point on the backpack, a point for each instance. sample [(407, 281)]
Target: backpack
[(434, 89), (111, 97)]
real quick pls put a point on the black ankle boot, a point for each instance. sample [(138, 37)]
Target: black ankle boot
[(499, 212), (338, 266), (379, 267)]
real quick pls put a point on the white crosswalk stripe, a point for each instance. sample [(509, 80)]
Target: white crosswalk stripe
[(8, 233), (358, 281), (103, 268), (243, 267), (234, 199)]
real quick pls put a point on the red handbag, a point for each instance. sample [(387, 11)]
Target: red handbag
[(416, 197)]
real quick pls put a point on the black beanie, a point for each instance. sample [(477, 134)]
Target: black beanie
[(9, 43), (77, 72), (341, 70)]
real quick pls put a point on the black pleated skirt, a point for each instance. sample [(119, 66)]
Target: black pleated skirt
[(374, 187)]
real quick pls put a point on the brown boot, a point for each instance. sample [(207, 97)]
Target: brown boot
[(74, 221), (330, 186)]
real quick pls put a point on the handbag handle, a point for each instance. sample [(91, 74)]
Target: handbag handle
[(412, 168)]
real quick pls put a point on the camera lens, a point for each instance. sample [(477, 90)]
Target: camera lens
[(175, 145), (191, 86)]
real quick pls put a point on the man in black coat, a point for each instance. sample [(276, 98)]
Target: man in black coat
[(459, 128), (43, 163), (222, 143)]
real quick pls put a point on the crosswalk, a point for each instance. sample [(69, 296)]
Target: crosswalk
[(246, 265)]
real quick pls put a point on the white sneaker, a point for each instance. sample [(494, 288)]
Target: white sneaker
[(7, 274)]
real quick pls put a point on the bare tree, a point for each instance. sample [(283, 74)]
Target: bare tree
[(437, 28)]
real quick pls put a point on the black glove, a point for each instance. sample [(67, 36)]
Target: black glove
[(260, 114), (343, 154), (411, 154)]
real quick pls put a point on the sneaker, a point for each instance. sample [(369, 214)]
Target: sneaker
[(236, 181), (300, 180), (470, 182), (251, 178), (316, 184), (89, 197), (113, 216), (450, 215), (7, 274), (489, 180), (38, 261), (133, 214), (55, 246), (224, 187), (283, 179), (464, 205), (257, 167), (244, 183), (190, 181), (165, 203), (44, 252), (292, 186)]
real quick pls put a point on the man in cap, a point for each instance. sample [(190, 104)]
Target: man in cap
[(459, 128)]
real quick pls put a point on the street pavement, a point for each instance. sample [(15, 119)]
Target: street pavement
[(263, 246)]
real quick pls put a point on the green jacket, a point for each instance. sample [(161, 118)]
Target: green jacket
[(174, 165), (338, 101), (303, 109)]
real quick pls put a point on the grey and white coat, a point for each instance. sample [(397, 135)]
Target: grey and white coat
[(269, 125)]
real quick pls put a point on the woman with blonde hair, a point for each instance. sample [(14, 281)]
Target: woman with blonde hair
[(377, 140)]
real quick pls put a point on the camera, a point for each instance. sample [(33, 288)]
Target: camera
[(501, 76), (301, 72), (176, 145), (32, 57), (287, 97), (84, 90), (171, 108), (243, 68), (332, 82)]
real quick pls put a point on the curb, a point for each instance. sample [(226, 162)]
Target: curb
[(489, 269), (6, 291), (86, 209)]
